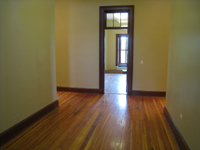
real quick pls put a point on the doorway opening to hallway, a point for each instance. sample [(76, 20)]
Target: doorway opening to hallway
[(116, 49)]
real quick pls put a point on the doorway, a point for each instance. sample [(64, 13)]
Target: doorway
[(117, 18), (116, 58)]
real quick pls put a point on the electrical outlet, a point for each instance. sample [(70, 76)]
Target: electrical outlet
[(181, 116), (141, 61)]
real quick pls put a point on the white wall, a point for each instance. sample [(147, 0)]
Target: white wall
[(77, 42), (110, 48), (27, 59), (183, 84)]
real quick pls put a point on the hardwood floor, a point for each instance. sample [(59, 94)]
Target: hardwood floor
[(115, 83), (92, 121)]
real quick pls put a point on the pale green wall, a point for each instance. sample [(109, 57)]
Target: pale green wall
[(27, 59), (183, 85), (77, 42), (110, 48)]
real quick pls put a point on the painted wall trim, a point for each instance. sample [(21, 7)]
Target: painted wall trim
[(179, 138), (148, 93), (21, 126), (80, 90)]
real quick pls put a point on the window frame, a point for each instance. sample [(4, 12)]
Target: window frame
[(120, 26), (118, 50)]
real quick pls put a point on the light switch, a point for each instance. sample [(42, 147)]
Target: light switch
[(141, 61)]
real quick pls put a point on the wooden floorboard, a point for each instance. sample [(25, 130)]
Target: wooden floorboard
[(93, 121)]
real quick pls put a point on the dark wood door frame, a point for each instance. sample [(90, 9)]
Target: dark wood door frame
[(103, 10)]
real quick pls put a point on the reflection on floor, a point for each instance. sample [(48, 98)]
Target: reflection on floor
[(115, 83), (94, 121)]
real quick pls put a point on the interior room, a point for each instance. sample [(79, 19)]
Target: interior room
[(115, 75), (50, 76)]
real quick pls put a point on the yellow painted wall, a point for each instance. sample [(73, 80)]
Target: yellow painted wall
[(27, 59), (183, 83), (110, 48), (77, 42)]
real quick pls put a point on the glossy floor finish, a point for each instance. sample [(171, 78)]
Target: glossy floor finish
[(92, 121), (115, 83)]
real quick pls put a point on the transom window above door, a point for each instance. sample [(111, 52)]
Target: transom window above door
[(118, 19)]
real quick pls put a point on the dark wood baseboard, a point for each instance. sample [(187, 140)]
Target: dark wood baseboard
[(114, 71), (80, 90), (179, 138), (19, 127), (148, 93)]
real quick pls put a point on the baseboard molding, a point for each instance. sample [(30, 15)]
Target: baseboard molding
[(80, 90), (148, 93), (179, 138), (114, 71), (19, 127)]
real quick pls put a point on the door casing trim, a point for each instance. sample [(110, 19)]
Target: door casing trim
[(102, 13)]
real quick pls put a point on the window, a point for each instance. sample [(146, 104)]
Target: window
[(121, 50), (117, 19)]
